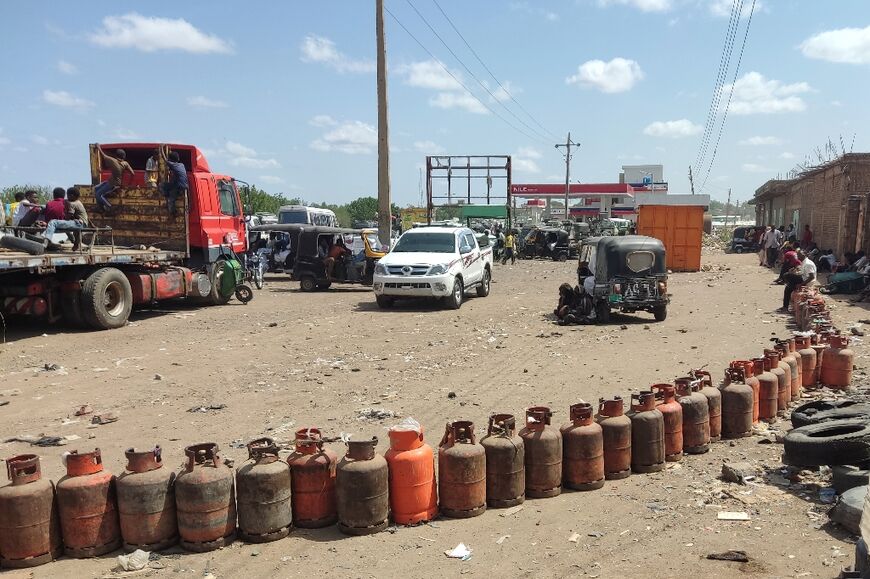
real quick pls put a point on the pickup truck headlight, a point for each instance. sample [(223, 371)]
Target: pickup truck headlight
[(439, 269), (381, 269)]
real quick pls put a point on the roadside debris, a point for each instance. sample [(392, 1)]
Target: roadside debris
[(43, 440), (375, 414), (207, 408), (738, 472), (85, 409), (574, 538), (511, 511), (460, 551), (733, 516), (135, 561), (502, 539), (104, 418), (736, 556)]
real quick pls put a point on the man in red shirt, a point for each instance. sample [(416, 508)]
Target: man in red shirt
[(337, 251), (807, 237), (790, 260), (56, 208)]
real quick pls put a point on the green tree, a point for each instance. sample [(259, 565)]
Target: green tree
[(7, 194), (363, 209), (257, 200)]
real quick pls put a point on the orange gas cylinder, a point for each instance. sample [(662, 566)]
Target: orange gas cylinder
[(750, 372), (782, 371), (543, 444), (768, 390), (793, 349), (616, 429), (205, 500), (461, 472), (837, 363), (413, 493), (582, 450), (714, 402), (820, 349), (29, 524), (88, 506), (808, 361), (696, 416), (794, 368), (672, 412), (312, 481)]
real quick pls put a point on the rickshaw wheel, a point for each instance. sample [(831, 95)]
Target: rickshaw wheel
[(307, 284)]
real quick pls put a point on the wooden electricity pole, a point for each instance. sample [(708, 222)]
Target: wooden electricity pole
[(384, 213), (568, 144)]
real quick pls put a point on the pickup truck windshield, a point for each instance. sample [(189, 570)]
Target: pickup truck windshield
[(426, 243), (293, 217)]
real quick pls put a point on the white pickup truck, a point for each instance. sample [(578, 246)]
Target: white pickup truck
[(436, 262)]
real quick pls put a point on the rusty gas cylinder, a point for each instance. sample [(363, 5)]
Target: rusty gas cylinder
[(808, 361), (88, 506), (146, 502), (795, 351), (672, 412), (794, 388), (737, 404), (714, 402), (782, 371), (750, 372), (616, 431), (461, 472), (543, 444), (505, 462), (768, 389), (362, 487), (263, 494), (696, 416), (582, 450), (205, 499), (29, 523), (312, 470), (647, 433), (413, 491), (837, 363)]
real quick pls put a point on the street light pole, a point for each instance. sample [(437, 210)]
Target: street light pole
[(384, 213)]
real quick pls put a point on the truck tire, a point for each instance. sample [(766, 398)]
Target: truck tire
[(483, 288), (824, 410), (454, 300), (384, 302), (660, 313), (828, 443), (106, 299), (20, 244), (71, 308), (849, 476)]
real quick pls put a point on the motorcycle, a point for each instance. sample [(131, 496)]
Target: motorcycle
[(255, 268)]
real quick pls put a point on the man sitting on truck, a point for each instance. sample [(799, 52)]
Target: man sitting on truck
[(75, 218), (177, 184), (117, 166)]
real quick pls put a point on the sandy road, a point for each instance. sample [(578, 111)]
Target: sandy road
[(289, 359)]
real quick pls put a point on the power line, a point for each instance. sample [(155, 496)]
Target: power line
[(730, 94), (453, 76), (498, 82)]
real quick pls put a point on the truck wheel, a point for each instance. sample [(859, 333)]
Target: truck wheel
[(20, 244), (71, 308), (384, 302), (307, 284), (454, 300), (602, 312), (660, 313), (215, 274), (483, 288), (106, 299)]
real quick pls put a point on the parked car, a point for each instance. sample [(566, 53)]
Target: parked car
[(435, 262), (746, 239)]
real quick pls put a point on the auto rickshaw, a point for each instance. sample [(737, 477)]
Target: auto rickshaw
[(551, 242), (310, 244), (630, 274), (747, 239)]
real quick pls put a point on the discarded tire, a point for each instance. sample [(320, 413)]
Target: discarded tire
[(834, 442), (847, 511), (821, 410), (849, 476), (21, 244)]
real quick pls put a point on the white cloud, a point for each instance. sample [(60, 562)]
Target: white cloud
[(458, 100), (151, 34), (429, 74), (529, 153), (206, 103), (63, 99), (617, 75), (322, 121), (67, 67), (846, 45), (836, 103), (320, 49), (786, 155), (351, 137), (722, 8), (19, 149), (126, 134), (504, 91), (754, 94), (39, 140), (673, 129), (759, 141), (3, 140), (527, 8), (239, 150), (523, 160), (242, 156), (428, 147), (271, 179), (754, 168), (642, 5)]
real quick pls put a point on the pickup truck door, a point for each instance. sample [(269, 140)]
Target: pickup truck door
[(472, 262)]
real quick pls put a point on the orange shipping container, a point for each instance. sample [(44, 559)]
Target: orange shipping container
[(679, 227)]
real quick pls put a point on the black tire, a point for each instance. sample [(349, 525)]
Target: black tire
[(244, 293), (835, 442), (660, 313), (258, 277), (106, 299), (384, 302), (71, 308), (849, 476), (454, 300), (602, 312), (324, 286), (483, 288), (307, 284), (215, 273), (21, 244), (561, 256), (738, 249), (824, 410)]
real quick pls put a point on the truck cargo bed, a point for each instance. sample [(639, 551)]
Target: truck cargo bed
[(97, 255)]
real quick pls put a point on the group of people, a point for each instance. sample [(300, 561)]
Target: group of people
[(576, 304), (174, 187), (64, 213), (774, 240)]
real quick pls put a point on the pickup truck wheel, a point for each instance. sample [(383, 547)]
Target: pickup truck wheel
[(483, 288), (454, 300), (660, 313), (106, 299), (307, 284), (384, 302), (21, 244)]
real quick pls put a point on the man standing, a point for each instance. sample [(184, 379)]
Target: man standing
[(116, 166), (151, 169), (770, 245), (807, 237), (177, 184), (509, 246)]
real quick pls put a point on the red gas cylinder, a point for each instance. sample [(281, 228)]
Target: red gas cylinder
[(312, 481), (794, 370), (146, 502), (672, 412), (616, 430), (543, 444), (582, 450), (505, 462), (647, 433), (413, 492), (714, 402), (782, 371), (696, 416), (29, 524), (205, 500), (768, 389), (737, 405), (837, 363), (808, 361), (88, 506), (750, 371), (461, 472), (795, 351)]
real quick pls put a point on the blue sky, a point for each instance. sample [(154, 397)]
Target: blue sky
[(282, 94)]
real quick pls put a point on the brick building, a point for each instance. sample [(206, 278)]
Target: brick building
[(831, 198)]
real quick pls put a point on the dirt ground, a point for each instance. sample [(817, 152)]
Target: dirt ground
[(289, 360)]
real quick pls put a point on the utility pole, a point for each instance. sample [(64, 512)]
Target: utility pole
[(568, 144), (691, 181), (727, 207), (384, 213)]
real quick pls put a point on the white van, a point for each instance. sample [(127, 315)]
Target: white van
[(307, 215)]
